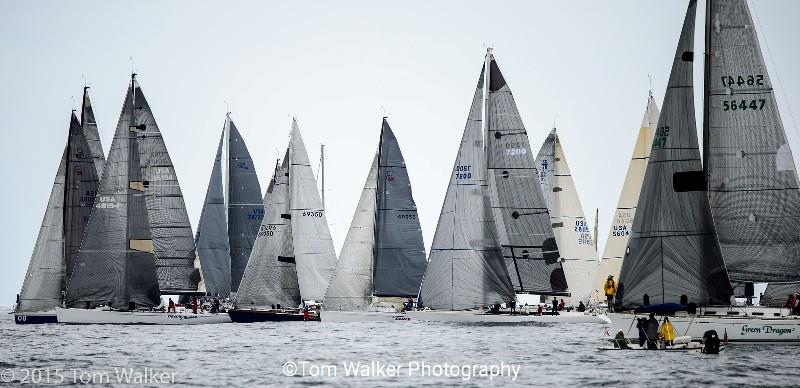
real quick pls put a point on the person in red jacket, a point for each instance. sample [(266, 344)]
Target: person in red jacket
[(194, 305)]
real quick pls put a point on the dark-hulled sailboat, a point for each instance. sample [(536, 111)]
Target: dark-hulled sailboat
[(232, 213), (494, 236), (68, 209), (138, 243), (293, 257), (733, 215), (383, 258)]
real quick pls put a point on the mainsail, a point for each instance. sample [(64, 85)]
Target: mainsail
[(383, 254), (231, 216), (466, 267), (622, 223), (523, 223), (138, 240), (673, 249), (293, 257), (752, 180), (574, 238)]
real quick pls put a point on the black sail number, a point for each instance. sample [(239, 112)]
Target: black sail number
[(743, 105)]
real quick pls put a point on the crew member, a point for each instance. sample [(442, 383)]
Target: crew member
[(667, 332), (171, 306), (610, 289)]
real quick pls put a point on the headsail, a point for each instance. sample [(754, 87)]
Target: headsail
[(752, 179), (574, 238), (622, 223), (313, 246), (271, 274), (466, 267), (673, 250), (523, 222), (92, 134)]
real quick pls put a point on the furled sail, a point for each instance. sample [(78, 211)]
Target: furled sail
[(752, 180), (673, 250), (212, 237), (385, 231), (245, 209), (41, 289), (466, 267), (313, 246), (271, 274), (523, 223), (574, 238), (138, 241), (622, 223)]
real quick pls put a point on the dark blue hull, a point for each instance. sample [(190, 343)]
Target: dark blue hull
[(253, 316), (34, 319)]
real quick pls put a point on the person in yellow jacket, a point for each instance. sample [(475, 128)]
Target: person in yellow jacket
[(666, 332), (610, 289)]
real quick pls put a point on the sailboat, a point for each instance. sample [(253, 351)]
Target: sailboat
[(138, 242), (744, 196), (68, 209), (494, 237), (621, 224), (293, 258), (383, 258), (232, 213), (575, 241)]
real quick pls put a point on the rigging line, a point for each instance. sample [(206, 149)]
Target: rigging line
[(775, 67)]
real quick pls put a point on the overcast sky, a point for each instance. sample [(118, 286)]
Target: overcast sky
[(340, 66)]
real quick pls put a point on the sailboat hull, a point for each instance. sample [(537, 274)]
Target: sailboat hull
[(35, 318), (740, 328), (107, 317), (482, 317), (363, 316)]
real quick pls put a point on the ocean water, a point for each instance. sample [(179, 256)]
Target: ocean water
[(329, 354)]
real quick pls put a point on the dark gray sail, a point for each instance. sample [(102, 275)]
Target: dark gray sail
[(673, 250), (91, 133), (399, 251), (271, 274), (245, 207), (752, 179), (519, 208), (81, 181), (777, 294), (212, 237), (466, 268)]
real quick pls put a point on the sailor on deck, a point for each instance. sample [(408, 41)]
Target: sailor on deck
[(610, 289), (667, 332)]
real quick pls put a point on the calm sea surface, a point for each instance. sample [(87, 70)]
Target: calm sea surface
[(330, 353)]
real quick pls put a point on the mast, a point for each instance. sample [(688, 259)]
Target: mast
[(226, 174), (378, 189), (322, 172), (706, 91)]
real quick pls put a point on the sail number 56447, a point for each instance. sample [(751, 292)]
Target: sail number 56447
[(743, 104)]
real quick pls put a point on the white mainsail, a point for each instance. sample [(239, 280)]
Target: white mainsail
[(614, 251), (574, 238)]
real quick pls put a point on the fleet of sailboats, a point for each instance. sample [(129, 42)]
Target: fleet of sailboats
[(694, 229)]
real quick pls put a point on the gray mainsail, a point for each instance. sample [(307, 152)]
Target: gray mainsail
[(383, 253), (752, 180), (519, 208), (212, 239), (271, 274), (313, 246), (92, 134), (673, 249), (466, 267), (41, 289), (138, 241), (245, 209)]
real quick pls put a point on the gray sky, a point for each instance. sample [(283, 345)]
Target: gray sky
[(335, 65)]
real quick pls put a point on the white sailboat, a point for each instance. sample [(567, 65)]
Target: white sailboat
[(575, 241), (383, 259), (494, 236), (138, 243), (621, 224), (748, 183)]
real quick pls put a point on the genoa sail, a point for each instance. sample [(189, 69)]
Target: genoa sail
[(673, 250), (466, 268), (573, 236), (750, 166), (523, 221), (621, 224)]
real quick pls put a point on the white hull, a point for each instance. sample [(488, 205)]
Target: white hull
[(477, 316), (83, 316), (363, 316), (742, 329)]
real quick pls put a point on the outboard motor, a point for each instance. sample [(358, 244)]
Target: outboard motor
[(711, 342)]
